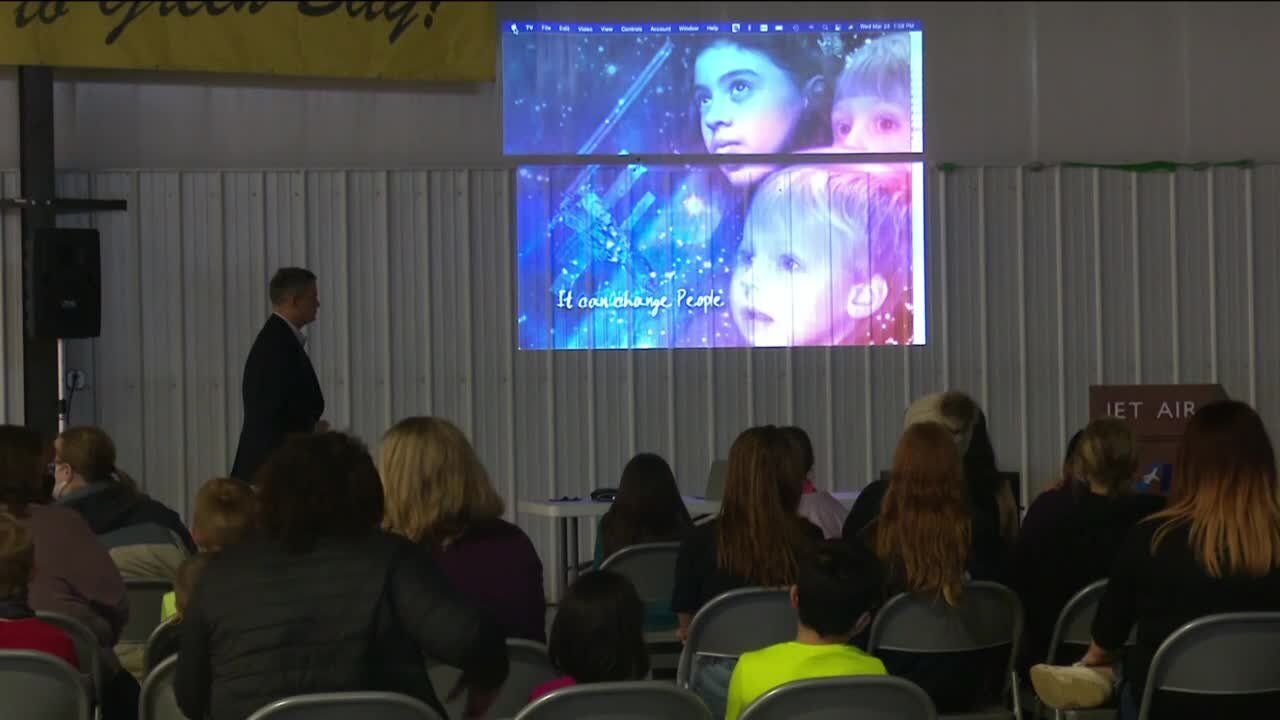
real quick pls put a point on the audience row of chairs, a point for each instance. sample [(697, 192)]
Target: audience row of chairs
[(1225, 654)]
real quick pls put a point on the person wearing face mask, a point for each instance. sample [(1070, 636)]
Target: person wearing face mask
[(74, 574), (144, 538)]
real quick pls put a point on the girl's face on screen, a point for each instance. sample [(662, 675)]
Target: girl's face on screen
[(746, 104)]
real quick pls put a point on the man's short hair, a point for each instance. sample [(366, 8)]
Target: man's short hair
[(288, 282), (837, 583)]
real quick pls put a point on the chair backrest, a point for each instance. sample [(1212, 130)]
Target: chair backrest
[(345, 705), (38, 686), (146, 595), (618, 701), (156, 701), (164, 641), (736, 622), (651, 567), (1229, 654), (715, 480), (530, 667), (1075, 622), (877, 697), (87, 648), (989, 616)]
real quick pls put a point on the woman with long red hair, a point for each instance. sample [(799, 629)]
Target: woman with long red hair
[(924, 537), (1214, 549)]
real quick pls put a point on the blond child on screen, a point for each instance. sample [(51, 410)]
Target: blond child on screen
[(871, 111), (825, 259), (226, 510)]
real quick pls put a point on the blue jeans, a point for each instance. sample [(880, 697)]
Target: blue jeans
[(709, 680), (1128, 703)]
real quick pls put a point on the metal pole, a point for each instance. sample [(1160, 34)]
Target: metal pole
[(62, 387)]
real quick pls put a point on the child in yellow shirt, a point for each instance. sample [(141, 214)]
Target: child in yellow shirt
[(226, 510), (833, 598)]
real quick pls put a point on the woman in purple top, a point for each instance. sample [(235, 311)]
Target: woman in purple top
[(438, 494)]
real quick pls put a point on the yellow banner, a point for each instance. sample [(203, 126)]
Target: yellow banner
[(432, 41)]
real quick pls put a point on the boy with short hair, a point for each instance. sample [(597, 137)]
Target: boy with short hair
[(833, 597), (20, 629), (226, 510)]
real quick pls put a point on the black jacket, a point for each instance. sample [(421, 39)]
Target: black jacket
[(350, 615), (281, 396)]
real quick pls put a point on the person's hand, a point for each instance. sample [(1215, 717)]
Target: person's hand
[(322, 426), (478, 701)]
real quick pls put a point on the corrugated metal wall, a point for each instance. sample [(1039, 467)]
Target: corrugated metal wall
[(1041, 284), (11, 394)]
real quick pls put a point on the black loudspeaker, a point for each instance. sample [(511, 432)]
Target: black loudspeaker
[(62, 292)]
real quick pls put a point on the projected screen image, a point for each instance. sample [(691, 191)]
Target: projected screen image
[(712, 88), (673, 256)]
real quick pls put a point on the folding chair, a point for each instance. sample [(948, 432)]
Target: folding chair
[(736, 622), (529, 666), (87, 649), (164, 641), (651, 567), (1229, 654), (156, 701), (876, 697), (146, 595), (618, 701), (39, 686), (346, 705), (1075, 627), (989, 616)]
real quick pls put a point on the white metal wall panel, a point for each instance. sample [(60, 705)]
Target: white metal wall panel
[(1041, 283)]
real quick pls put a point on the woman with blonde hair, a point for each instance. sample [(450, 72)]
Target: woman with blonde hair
[(756, 541), (1072, 532), (438, 495), (1215, 549)]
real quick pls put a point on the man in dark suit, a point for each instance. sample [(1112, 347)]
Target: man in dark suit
[(281, 392)]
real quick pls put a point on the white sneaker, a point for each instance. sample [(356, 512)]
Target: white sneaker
[(1071, 687)]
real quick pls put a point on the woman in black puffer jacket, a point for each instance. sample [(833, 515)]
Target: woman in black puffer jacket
[(324, 600)]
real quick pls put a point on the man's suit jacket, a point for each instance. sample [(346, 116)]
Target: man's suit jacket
[(281, 396)]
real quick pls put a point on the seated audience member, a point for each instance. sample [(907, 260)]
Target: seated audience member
[(323, 600), (756, 541), (74, 574), (960, 415), (992, 494), (20, 629), (833, 595), (598, 634), (176, 603), (226, 510), (1072, 532), (145, 538), (1214, 549), (648, 509), (439, 496), (923, 537), (817, 506)]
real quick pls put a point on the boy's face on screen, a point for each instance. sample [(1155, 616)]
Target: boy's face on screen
[(786, 290), (866, 123), (747, 105)]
